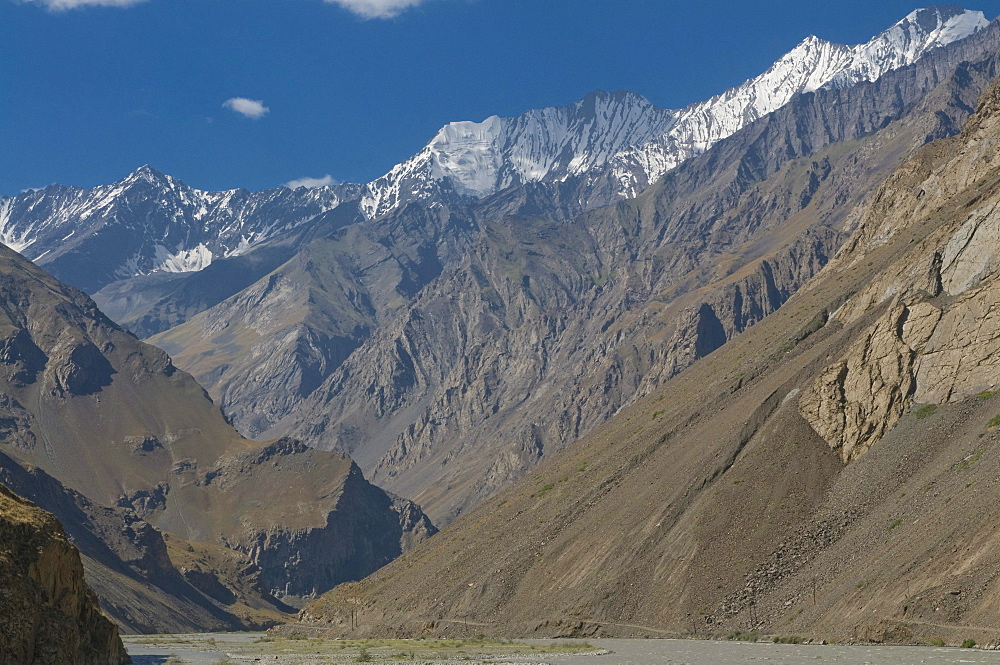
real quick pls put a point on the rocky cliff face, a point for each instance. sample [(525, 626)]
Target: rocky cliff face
[(543, 317), (830, 472), (50, 616), (935, 339)]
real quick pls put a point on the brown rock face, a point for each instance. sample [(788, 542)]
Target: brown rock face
[(49, 614), (938, 337)]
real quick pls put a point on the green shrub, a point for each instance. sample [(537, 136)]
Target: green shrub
[(968, 461), (936, 642), (788, 639), (968, 644), (925, 411)]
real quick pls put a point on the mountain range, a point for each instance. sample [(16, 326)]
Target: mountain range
[(535, 321), (831, 472)]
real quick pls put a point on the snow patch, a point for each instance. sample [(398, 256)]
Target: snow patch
[(184, 260)]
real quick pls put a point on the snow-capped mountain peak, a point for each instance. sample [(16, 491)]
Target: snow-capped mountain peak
[(907, 41), (638, 141), (479, 158), (150, 222)]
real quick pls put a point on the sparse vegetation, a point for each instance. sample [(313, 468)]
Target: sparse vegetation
[(988, 394), (788, 639), (968, 644), (895, 523), (548, 487), (657, 414), (994, 422), (968, 461), (363, 656), (935, 642), (925, 411)]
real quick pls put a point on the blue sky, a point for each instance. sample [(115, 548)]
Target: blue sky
[(92, 92)]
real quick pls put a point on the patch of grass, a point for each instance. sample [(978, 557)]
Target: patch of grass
[(583, 467), (895, 523), (548, 487), (657, 414), (994, 422), (988, 394), (968, 644), (788, 639), (925, 411), (935, 642), (739, 636), (969, 461)]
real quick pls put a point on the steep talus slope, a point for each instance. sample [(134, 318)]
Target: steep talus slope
[(453, 398), (50, 617), (111, 418), (727, 500)]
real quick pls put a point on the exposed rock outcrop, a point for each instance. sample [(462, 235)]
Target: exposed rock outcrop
[(938, 337), (50, 617)]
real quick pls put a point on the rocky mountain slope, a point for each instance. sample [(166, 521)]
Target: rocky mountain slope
[(50, 617), (831, 472), (111, 418), (452, 397)]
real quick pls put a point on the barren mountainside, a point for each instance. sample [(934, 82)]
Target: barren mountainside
[(831, 472), (139, 445)]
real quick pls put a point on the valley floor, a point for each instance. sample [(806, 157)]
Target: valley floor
[(218, 648)]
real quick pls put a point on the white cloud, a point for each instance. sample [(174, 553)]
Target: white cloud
[(63, 5), (251, 108), (377, 8), (363, 8), (310, 183)]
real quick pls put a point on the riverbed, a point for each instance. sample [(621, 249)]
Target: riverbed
[(210, 649)]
